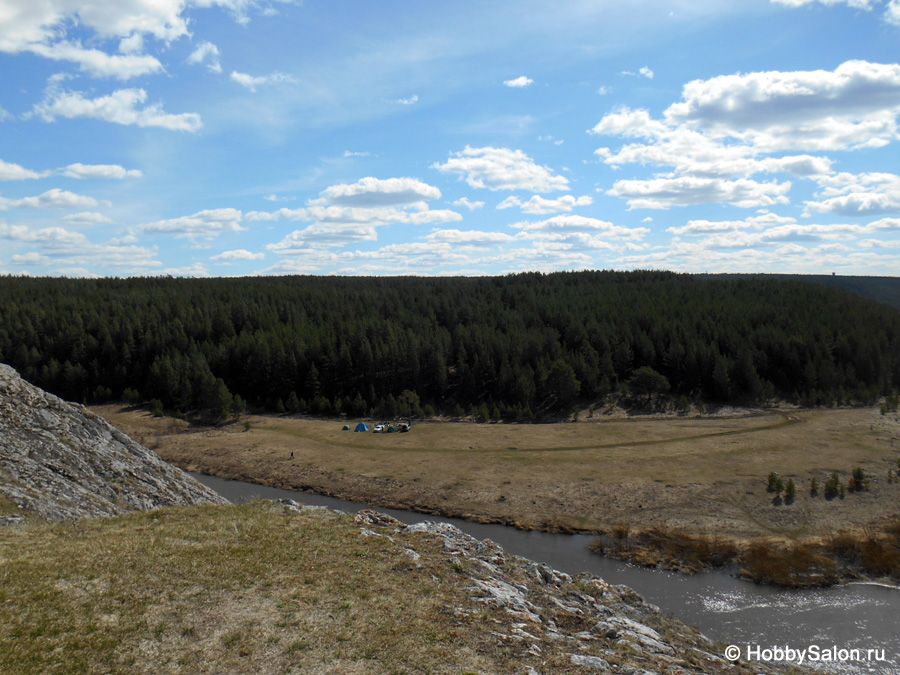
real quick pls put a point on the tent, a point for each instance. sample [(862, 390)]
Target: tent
[(346, 427), (362, 426), (392, 429)]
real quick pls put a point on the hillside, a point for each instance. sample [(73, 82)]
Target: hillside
[(525, 347), (277, 588), (59, 461)]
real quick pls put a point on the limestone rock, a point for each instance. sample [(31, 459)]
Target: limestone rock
[(59, 461)]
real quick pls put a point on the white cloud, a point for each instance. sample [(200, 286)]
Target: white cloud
[(371, 191), (538, 205), (87, 218), (99, 63), (252, 82), (349, 153), (5, 115), (51, 199), (412, 100), (572, 224), (470, 237), (10, 171), (854, 106), (502, 169), (412, 214), (846, 194), (700, 227), (239, 254), (111, 171), (644, 71), (519, 83), (348, 213), (663, 193), (735, 126), (206, 51), (205, 225), (40, 26), (892, 13), (133, 44), (120, 107), (64, 249), (472, 206)]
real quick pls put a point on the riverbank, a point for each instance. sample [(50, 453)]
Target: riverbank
[(641, 482)]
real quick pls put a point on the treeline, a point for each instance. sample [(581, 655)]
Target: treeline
[(516, 347)]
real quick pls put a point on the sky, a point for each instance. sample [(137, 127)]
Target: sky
[(271, 137)]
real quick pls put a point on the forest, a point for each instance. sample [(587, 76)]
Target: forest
[(522, 347)]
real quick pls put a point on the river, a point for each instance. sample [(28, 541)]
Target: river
[(854, 628)]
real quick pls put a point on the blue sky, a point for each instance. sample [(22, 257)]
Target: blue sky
[(240, 137)]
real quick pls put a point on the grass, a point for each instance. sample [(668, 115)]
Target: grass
[(227, 589)]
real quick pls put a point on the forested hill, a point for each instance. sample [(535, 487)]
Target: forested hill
[(517, 347), (882, 289)]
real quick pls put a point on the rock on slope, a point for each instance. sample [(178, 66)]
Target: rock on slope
[(60, 461)]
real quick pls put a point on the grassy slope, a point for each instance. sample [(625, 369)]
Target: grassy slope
[(249, 589), (264, 589)]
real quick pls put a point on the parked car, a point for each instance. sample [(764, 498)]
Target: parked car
[(379, 428)]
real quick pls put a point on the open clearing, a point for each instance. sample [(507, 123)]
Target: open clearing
[(698, 475)]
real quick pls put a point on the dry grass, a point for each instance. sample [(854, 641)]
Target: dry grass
[(704, 476), (251, 589)]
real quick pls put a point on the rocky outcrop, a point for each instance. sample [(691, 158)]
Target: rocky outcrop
[(59, 461), (562, 623)]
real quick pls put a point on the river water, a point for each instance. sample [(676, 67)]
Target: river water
[(847, 629)]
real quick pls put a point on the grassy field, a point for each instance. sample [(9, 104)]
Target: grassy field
[(705, 476), (253, 589)]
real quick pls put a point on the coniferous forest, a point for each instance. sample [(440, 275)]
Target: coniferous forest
[(520, 347)]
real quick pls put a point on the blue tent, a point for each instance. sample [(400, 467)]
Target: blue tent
[(362, 426)]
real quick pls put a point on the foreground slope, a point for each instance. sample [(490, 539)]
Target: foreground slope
[(279, 588), (60, 461)]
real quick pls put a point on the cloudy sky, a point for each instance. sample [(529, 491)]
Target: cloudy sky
[(236, 137)]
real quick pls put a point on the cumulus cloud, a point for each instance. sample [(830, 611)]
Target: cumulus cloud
[(470, 237), (663, 193), (203, 225), (10, 171), (87, 218), (348, 213), (120, 107), (111, 171), (855, 105), (64, 249), (466, 202), (98, 63), (209, 53), (867, 194), (371, 191), (40, 27), (252, 82), (538, 205), (572, 224), (51, 199), (502, 169), (728, 128), (239, 254), (519, 82)]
